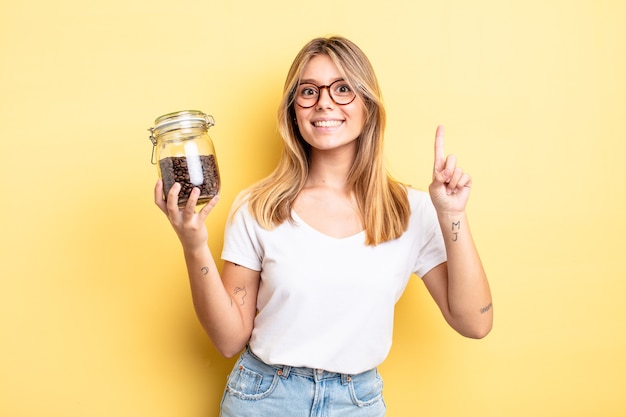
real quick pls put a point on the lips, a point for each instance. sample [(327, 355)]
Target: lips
[(327, 123)]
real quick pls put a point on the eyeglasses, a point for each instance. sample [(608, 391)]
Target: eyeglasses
[(307, 94)]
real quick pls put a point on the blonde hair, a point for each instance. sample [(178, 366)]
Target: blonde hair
[(382, 201)]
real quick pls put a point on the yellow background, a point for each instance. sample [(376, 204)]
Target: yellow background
[(95, 313)]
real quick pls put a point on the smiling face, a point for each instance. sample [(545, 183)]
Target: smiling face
[(328, 125)]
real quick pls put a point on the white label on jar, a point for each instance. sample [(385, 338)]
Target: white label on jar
[(193, 164)]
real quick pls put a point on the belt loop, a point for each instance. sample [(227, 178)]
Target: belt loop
[(346, 379)]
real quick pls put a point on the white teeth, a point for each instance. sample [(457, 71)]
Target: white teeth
[(327, 123)]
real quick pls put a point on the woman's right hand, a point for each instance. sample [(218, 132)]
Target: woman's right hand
[(188, 225)]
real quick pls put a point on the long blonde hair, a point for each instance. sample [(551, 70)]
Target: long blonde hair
[(382, 201)]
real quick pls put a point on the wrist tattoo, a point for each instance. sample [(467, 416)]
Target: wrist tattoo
[(240, 295), (455, 234), (486, 308), (205, 270)]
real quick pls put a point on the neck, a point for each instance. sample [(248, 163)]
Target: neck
[(329, 170)]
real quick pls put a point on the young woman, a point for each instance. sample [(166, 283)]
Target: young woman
[(317, 254)]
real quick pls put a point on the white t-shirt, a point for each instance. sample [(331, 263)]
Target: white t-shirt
[(328, 303)]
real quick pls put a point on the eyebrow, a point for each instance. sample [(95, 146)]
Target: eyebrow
[(314, 82)]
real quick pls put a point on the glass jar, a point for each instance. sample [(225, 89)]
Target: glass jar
[(184, 153)]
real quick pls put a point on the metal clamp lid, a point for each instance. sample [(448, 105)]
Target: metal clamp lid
[(177, 120)]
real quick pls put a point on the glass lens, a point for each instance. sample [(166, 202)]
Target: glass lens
[(341, 92), (307, 95)]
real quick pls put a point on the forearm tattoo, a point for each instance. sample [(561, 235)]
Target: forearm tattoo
[(205, 270), (456, 227), (486, 308)]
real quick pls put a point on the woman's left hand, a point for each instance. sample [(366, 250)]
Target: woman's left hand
[(450, 188)]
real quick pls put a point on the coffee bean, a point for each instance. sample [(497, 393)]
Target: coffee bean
[(175, 169)]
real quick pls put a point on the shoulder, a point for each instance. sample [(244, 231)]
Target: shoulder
[(423, 213), (418, 198), (240, 208)]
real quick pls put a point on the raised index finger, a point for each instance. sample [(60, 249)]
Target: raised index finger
[(440, 156)]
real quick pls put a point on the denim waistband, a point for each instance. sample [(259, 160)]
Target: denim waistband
[(316, 374)]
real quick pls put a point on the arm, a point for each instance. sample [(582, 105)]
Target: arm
[(225, 304), (458, 286)]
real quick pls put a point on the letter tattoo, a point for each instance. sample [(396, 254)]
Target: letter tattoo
[(486, 308), (240, 295), (456, 226)]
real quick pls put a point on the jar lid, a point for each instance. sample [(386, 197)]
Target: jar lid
[(180, 120)]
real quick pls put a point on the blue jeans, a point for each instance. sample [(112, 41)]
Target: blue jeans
[(255, 389)]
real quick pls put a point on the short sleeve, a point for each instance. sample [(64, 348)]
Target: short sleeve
[(431, 247), (242, 245)]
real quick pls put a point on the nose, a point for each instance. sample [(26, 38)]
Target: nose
[(325, 100)]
